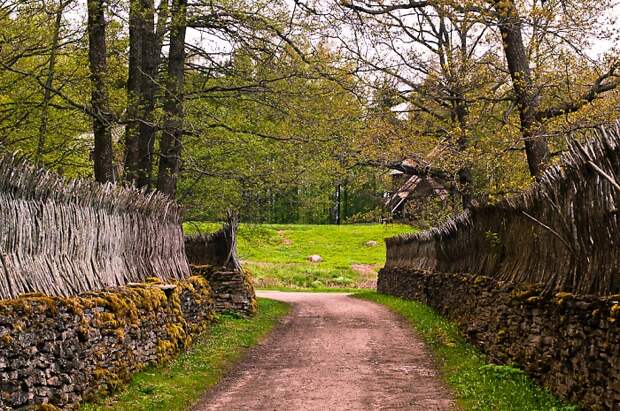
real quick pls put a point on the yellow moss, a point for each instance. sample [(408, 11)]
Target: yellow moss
[(120, 333), (614, 312), (43, 303), (31, 295), (479, 279), (563, 295), (149, 298), (104, 316), (7, 339), (176, 333), (164, 347), (74, 305), (116, 304), (44, 407), (18, 325), (100, 373), (523, 294)]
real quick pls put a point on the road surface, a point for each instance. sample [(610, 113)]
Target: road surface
[(333, 352)]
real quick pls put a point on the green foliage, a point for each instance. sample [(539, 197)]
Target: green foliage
[(273, 126), (477, 384), (181, 383), (277, 255), (282, 163)]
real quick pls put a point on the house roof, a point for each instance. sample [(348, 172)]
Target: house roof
[(413, 182)]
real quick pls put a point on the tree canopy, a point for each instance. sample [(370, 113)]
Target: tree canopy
[(297, 111)]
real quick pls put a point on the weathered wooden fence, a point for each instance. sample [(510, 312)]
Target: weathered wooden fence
[(563, 232), (218, 249), (214, 257), (63, 237)]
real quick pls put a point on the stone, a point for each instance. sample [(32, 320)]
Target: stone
[(48, 364), (371, 243), (315, 258)]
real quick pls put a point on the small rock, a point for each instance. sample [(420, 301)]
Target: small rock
[(371, 243), (315, 258)]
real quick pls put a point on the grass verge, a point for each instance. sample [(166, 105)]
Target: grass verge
[(477, 384), (179, 384)]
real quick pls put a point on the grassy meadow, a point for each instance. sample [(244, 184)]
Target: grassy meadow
[(277, 254)]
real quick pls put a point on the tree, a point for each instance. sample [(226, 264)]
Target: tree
[(102, 153), (171, 141), (454, 36), (145, 43), (47, 94)]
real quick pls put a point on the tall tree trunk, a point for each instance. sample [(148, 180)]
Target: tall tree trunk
[(47, 93), (170, 147), (132, 148), (144, 50), (461, 111), (102, 154), (536, 147), (147, 94)]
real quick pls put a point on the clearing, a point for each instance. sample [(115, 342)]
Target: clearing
[(277, 254)]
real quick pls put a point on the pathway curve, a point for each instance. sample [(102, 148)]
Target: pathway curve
[(333, 352)]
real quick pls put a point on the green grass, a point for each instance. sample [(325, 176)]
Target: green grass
[(277, 255), (477, 384), (181, 383)]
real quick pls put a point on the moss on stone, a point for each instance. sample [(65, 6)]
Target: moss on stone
[(614, 312), (125, 317)]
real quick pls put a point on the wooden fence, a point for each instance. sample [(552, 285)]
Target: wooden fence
[(563, 232), (62, 237), (218, 249)]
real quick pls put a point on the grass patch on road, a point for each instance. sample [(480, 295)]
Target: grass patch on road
[(277, 254), (477, 384), (178, 385)]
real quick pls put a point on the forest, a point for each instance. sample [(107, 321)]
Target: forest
[(299, 111)]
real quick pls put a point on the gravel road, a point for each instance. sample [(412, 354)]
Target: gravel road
[(333, 352)]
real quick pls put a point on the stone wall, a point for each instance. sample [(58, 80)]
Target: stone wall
[(214, 257), (62, 350), (570, 343), (232, 289)]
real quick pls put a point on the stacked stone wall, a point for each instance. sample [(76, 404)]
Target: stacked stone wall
[(570, 343), (63, 350), (233, 290)]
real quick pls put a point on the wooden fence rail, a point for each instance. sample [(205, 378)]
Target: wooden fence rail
[(62, 237), (563, 232)]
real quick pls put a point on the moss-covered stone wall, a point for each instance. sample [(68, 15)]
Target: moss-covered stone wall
[(570, 343), (233, 290), (65, 350)]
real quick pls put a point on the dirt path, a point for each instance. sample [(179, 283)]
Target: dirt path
[(333, 352)]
